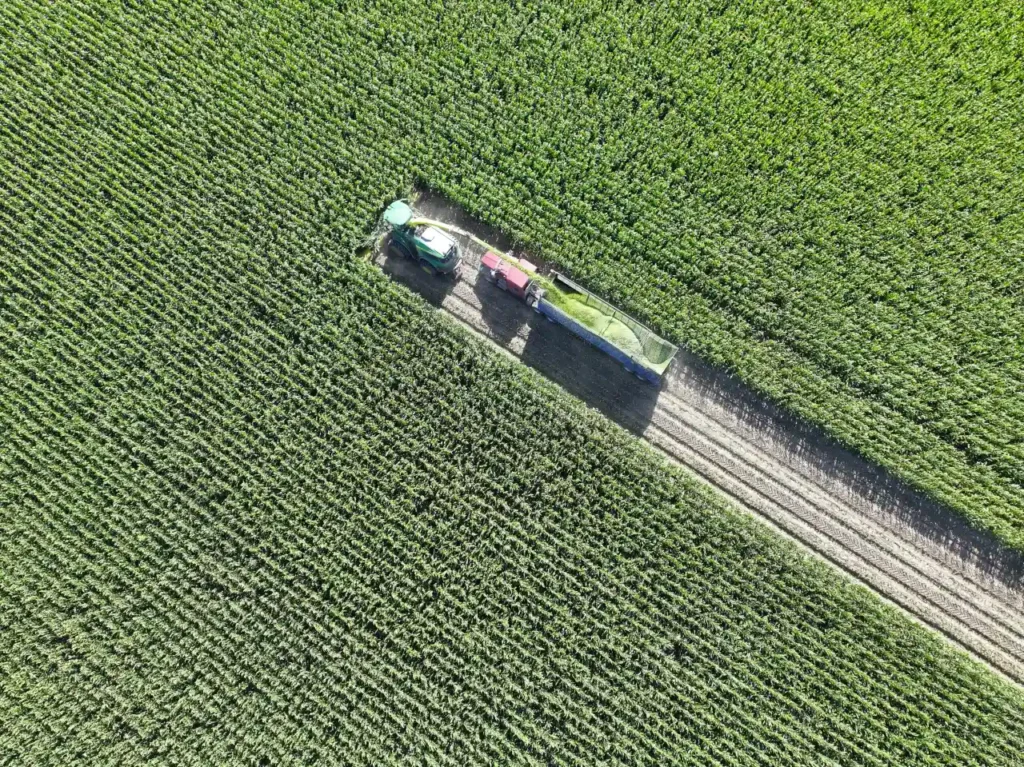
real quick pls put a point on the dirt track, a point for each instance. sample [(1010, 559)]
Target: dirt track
[(909, 549)]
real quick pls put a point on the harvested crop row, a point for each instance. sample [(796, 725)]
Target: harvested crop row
[(591, 596), (861, 265), (240, 521)]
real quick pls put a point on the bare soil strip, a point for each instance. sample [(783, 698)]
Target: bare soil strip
[(911, 551)]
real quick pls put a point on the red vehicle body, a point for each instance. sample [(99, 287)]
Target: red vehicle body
[(506, 276)]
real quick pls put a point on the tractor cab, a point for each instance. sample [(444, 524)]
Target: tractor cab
[(435, 250), (512, 279), (438, 247)]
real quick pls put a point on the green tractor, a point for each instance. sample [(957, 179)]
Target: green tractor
[(436, 251)]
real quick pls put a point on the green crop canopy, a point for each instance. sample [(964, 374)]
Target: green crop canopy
[(398, 213)]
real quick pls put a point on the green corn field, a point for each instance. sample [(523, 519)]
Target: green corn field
[(261, 506)]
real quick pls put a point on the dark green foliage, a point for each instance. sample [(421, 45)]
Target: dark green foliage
[(824, 199), (258, 504), (239, 521)]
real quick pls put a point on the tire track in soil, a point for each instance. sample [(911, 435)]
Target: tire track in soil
[(965, 587)]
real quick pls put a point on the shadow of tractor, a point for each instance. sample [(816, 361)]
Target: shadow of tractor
[(505, 315), (432, 286)]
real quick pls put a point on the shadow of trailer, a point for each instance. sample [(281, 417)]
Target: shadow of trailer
[(636, 347)]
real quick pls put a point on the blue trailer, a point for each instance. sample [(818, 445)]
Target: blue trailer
[(640, 350)]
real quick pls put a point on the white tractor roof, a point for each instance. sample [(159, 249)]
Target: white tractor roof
[(436, 239)]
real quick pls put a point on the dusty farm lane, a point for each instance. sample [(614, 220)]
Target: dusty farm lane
[(907, 548)]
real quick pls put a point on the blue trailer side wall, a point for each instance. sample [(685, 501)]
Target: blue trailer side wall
[(553, 312)]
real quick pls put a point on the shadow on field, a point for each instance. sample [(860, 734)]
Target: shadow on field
[(589, 374), (550, 349), (809, 450), (504, 315), (433, 287), (602, 383), (554, 352)]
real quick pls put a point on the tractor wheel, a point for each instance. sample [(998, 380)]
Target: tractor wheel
[(427, 267), (396, 250)]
